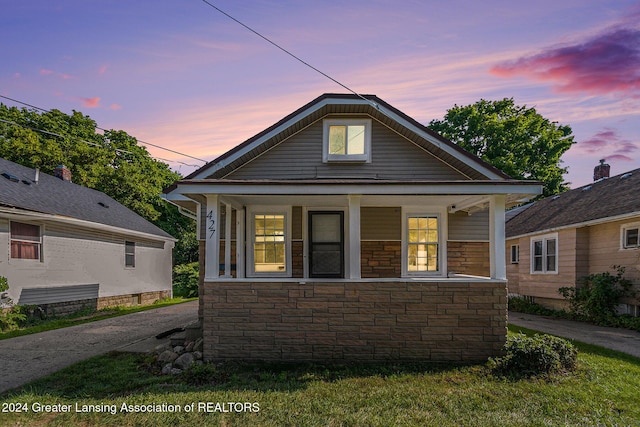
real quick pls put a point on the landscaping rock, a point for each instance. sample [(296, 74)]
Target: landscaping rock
[(184, 361), (197, 355), (167, 356), (176, 371), (189, 347), (178, 349), (197, 346), (166, 369)]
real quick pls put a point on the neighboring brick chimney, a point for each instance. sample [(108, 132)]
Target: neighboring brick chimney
[(63, 173), (601, 171)]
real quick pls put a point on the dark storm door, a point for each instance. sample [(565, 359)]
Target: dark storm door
[(326, 244)]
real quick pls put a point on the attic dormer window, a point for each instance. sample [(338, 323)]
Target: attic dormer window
[(347, 140)]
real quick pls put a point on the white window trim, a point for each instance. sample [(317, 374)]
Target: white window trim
[(623, 237), (41, 251), (543, 239), (440, 213), (353, 158), (515, 260), (269, 210)]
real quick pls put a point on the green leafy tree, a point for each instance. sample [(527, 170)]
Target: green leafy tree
[(515, 139), (111, 162)]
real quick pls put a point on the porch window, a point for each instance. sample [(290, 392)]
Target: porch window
[(544, 252), (630, 236), (269, 243), (26, 241), (347, 141), (423, 244)]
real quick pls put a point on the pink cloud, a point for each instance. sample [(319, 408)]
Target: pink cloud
[(45, 72), (90, 102), (17, 75), (607, 63), (609, 145), (102, 70), (115, 107)]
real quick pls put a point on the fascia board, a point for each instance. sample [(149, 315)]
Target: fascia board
[(364, 189)]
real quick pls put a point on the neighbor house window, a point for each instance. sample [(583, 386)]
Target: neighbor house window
[(515, 254), (630, 236), (423, 244), (347, 140), (26, 241), (270, 247), (544, 254), (130, 254)]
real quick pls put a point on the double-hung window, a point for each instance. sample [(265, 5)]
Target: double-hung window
[(347, 140), (544, 254), (515, 254), (630, 238), (269, 254), (26, 241), (423, 244)]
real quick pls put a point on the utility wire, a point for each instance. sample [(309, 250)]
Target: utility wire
[(106, 130), (289, 53)]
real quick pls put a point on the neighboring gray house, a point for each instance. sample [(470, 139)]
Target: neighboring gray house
[(349, 231), (63, 246)]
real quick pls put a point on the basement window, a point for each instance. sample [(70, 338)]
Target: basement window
[(347, 140)]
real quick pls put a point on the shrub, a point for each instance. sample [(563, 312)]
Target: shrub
[(539, 355), (599, 295), (4, 284), (12, 318), (185, 280), (522, 305)]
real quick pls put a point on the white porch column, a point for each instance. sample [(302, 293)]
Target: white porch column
[(212, 242), (497, 249), (227, 240), (240, 243), (354, 237)]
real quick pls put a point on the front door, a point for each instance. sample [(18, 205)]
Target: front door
[(326, 244)]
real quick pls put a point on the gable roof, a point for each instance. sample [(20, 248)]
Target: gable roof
[(607, 198), (329, 103), (51, 195)]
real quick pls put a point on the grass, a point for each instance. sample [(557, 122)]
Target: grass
[(605, 391), (82, 317)]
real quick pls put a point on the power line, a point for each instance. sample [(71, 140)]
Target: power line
[(289, 53), (106, 130)]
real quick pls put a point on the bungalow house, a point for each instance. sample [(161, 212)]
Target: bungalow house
[(556, 241), (348, 230), (64, 246)]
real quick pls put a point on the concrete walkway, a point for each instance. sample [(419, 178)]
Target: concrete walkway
[(26, 358), (622, 340)]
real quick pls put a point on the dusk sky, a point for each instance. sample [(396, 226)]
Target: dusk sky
[(181, 75)]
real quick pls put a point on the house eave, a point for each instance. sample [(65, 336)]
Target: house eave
[(20, 214), (589, 223)]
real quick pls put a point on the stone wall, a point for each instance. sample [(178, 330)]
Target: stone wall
[(128, 300), (449, 320), (380, 259), (468, 258)]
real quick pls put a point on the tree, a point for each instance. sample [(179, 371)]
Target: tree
[(515, 139), (111, 162)]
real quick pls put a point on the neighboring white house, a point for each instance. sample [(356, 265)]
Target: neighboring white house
[(349, 231), (64, 246)]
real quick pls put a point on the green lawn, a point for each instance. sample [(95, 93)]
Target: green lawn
[(604, 391)]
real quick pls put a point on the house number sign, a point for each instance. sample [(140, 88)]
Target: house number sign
[(211, 223)]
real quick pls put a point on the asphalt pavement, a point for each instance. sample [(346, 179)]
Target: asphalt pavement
[(26, 358), (623, 340)]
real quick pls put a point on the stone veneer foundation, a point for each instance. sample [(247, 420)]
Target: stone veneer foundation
[(460, 320)]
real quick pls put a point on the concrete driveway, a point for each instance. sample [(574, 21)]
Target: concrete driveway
[(24, 359)]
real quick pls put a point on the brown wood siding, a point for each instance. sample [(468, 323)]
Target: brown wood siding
[(380, 223), (300, 157), (513, 270), (605, 251), (547, 285), (466, 228)]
